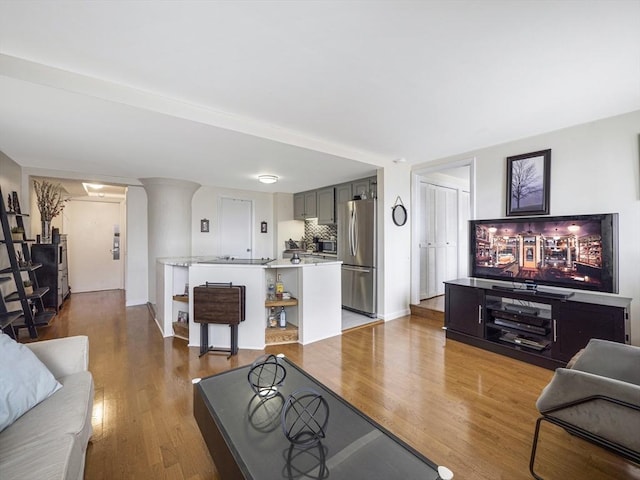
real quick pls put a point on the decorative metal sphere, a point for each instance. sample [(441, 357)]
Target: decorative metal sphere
[(266, 375), (304, 417)]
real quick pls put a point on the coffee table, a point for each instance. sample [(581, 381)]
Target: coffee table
[(243, 433)]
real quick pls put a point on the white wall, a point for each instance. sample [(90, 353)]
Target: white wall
[(10, 177), (595, 168), (394, 243), (136, 281), (205, 205), (286, 226)]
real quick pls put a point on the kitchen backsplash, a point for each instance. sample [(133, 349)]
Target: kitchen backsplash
[(312, 229)]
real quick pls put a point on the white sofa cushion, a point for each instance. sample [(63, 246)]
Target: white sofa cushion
[(68, 411), (60, 457), (24, 381)]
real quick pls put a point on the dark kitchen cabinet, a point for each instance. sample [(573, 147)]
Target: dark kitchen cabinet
[(344, 193), (54, 272), (543, 328), (326, 206), (365, 187), (305, 205)]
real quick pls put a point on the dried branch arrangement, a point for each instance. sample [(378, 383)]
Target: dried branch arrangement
[(49, 199)]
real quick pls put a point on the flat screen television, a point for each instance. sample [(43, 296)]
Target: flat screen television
[(576, 251)]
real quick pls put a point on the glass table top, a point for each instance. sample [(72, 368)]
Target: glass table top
[(354, 447)]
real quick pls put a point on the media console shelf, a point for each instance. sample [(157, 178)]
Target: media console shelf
[(538, 328)]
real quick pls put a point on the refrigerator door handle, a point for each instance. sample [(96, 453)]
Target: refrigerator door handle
[(352, 224), (355, 231), (357, 269)]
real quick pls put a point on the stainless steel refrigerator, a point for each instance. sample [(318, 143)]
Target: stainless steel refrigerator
[(357, 249)]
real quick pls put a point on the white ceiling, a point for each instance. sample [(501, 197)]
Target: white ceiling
[(316, 92)]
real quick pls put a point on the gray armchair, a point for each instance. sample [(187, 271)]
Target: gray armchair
[(597, 398)]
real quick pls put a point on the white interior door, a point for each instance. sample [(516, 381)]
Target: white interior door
[(235, 221), (440, 247), (90, 227)]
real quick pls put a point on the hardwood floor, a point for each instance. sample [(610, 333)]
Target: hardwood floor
[(468, 409)]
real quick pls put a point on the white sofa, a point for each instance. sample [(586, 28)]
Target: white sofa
[(50, 440)]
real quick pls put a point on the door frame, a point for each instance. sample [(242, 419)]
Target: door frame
[(417, 214)]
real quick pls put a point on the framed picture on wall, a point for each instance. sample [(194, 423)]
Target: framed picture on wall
[(528, 177)]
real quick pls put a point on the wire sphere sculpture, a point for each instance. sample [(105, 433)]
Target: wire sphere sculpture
[(266, 375), (305, 416)]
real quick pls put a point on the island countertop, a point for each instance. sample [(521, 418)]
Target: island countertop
[(243, 262)]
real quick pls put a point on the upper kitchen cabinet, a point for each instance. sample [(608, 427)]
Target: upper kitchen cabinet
[(366, 187), (343, 193), (305, 205), (326, 206), (321, 203)]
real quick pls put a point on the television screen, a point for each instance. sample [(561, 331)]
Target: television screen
[(577, 251)]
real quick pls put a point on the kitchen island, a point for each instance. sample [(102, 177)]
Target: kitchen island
[(314, 283)]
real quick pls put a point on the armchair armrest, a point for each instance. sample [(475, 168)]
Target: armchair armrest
[(63, 356), (594, 404), (611, 360)]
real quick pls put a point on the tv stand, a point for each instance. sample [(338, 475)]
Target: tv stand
[(535, 326)]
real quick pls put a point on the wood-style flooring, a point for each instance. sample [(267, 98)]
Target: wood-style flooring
[(468, 409)]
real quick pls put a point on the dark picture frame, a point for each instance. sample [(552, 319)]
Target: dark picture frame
[(204, 225), (528, 183)]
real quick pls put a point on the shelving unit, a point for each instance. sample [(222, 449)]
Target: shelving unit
[(32, 313), (181, 329), (54, 272), (277, 335), (524, 326)]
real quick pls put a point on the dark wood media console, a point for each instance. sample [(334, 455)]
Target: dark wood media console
[(545, 329)]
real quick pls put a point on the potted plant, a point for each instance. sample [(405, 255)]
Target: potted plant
[(17, 234), (28, 287), (50, 204)]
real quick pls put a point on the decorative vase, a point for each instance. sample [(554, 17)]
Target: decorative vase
[(46, 231)]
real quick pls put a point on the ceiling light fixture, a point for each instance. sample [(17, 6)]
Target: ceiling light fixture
[(268, 178)]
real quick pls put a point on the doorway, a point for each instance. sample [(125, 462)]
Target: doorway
[(443, 204), (95, 245)]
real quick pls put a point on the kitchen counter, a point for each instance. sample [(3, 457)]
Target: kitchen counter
[(212, 260), (314, 282), (305, 260)]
